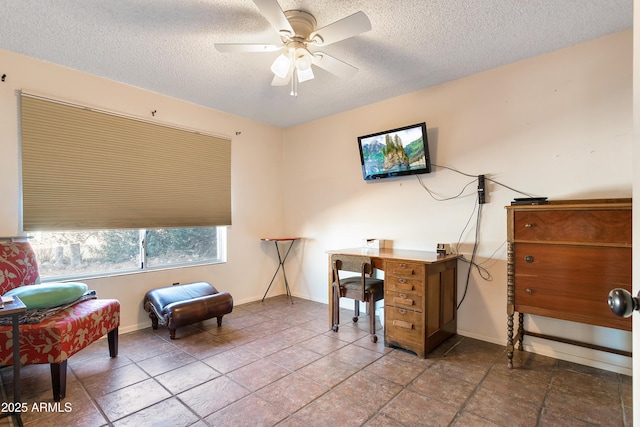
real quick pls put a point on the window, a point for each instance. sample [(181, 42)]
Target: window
[(179, 246), (86, 169), (90, 253), (92, 180)]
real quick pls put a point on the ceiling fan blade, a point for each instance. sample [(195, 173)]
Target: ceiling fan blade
[(333, 65), (272, 11), (246, 47), (350, 26)]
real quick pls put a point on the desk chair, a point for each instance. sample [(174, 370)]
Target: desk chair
[(362, 287)]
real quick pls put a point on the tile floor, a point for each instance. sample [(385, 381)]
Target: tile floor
[(275, 363)]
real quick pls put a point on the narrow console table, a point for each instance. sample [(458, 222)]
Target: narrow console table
[(420, 296), (563, 258), (14, 309), (281, 260)]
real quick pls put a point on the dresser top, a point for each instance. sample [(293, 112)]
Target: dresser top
[(578, 204)]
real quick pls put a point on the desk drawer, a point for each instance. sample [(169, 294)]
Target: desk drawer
[(406, 300), (404, 284), (404, 326), (408, 270)]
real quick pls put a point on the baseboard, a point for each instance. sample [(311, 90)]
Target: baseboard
[(133, 328), (481, 337)]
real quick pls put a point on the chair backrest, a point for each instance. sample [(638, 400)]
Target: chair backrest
[(18, 266), (354, 263)]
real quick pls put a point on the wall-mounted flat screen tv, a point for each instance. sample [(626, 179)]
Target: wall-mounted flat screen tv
[(395, 152)]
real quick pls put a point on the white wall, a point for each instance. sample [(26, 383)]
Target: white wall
[(257, 200), (558, 125)]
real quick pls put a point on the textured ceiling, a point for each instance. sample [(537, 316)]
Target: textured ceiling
[(167, 46)]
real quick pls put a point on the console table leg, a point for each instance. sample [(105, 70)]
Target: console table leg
[(281, 261)]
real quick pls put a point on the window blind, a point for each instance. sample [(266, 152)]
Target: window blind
[(86, 169)]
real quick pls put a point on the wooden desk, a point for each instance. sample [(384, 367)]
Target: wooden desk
[(420, 296)]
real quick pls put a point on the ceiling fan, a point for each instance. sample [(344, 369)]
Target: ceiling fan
[(299, 35)]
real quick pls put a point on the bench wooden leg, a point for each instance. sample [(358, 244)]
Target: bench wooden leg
[(59, 380), (112, 338), (219, 319), (154, 320)]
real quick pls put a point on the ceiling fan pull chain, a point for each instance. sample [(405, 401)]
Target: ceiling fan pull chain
[(294, 84)]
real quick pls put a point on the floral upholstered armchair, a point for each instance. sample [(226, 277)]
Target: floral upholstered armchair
[(53, 328)]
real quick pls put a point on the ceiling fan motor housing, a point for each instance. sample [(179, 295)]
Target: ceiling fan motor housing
[(303, 24)]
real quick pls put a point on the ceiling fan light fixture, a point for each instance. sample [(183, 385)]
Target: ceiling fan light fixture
[(303, 59), (304, 75), (281, 65)]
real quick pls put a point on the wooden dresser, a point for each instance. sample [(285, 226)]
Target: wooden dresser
[(419, 304), (563, 258)]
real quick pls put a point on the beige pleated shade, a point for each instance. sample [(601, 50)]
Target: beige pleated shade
[(86, 169)]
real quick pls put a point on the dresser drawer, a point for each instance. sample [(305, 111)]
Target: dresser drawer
[(405, 300), (407, 270), (404, 326), (571, 282), (577, 226), (404, 284), (572, 270), (545, 302), (559, 304)]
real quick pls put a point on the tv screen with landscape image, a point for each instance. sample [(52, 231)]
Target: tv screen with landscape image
[(396, 152)]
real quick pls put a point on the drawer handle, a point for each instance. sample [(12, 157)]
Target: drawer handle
[(402, 324), (402, 311), (405, 286), (402, 280), (529, 258), (528, 225), (403, 268), (403, 301), (529, 291), (406, 273)]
